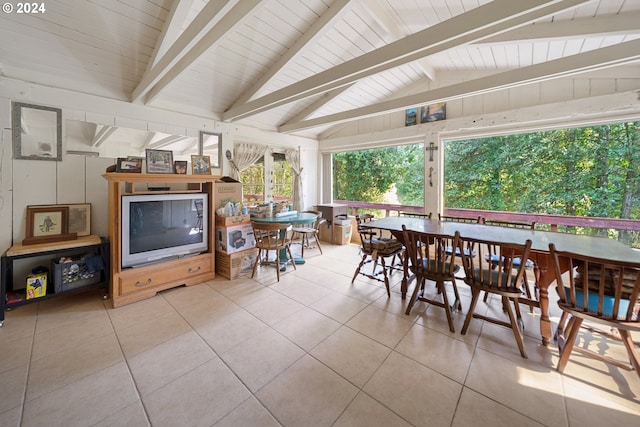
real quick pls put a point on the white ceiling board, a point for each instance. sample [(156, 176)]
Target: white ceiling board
[(285, 61)]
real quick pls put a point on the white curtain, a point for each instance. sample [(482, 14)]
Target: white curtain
[(293, 157), (244, 155)]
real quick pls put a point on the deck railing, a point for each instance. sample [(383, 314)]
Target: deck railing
[(603, 226)]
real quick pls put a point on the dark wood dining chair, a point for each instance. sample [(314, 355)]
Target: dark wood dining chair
[(416, 215), (532, 295), (310, 231), (429, 261), (449, 218), (603, 292), (377, 250), (272, 237), (503, 279)]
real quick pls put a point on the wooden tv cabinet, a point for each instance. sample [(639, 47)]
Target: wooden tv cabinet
[(128, 285)]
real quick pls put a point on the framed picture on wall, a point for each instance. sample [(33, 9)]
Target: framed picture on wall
[(433, 112), (411, 116)]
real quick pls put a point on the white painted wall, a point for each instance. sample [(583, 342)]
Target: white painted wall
[(583, 100), (78, 179)]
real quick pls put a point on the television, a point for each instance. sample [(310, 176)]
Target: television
[(160, 227)]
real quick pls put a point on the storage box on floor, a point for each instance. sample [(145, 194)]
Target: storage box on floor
[(342, 230), (235, 265), (329, 212)]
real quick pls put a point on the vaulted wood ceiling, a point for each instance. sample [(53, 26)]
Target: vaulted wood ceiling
[(303, 66)]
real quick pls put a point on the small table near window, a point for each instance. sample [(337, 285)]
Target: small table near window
[(294, 219)]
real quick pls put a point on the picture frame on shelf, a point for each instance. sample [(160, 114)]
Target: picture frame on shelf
[(200, 165), (47, 224), (78, 218), (126, 165), (180, 167), (159, 161)]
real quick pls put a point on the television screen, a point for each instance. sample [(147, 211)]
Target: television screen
[(159, 226)]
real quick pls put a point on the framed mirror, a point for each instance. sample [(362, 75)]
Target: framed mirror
[(37, 132), (211, 145)]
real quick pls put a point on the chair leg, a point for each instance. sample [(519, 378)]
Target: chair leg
[(278, 265), (561, 326), (514, 324), (447, 309), (627, 339), (565, 351), (364, 258), (303, 242), (475, 294), (457, 304), (255, 264), (414, 296), (293, 261), (386, 278), (317, 237)]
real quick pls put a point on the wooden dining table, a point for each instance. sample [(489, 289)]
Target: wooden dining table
[(600, 247)]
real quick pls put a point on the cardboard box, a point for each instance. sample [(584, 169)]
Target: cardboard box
[(235, 265), (235, 239), (225, 189), (342, 234), (326, 233), (36, 285), (228, 221)]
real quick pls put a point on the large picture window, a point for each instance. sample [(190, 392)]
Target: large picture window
[(268, 179)]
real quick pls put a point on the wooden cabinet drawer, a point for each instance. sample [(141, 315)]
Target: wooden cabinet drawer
[(162, 274)]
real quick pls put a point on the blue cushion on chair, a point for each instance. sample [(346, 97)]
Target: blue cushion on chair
[(449, 250), (516, 261), (607, 306)]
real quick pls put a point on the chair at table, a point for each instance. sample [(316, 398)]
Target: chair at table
[(377, 250), (429, 261), (415, 215), (272, 237), (532, 298), (449, 218), (603, 292), (505, 280), (312, 230)]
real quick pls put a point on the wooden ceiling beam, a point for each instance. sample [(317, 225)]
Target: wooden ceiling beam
[(610, 56), (474, 25)]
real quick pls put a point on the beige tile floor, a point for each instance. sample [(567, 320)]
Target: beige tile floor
[(310, 350)]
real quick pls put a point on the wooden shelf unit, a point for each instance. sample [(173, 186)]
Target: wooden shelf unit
[(95, 244), (134, 284)]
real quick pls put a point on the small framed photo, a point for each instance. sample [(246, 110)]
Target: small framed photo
[(180, 167), (159, 161), (433, 112), (200, 165), (80, 219), (47, 224), (129, 165), (410, 116)]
